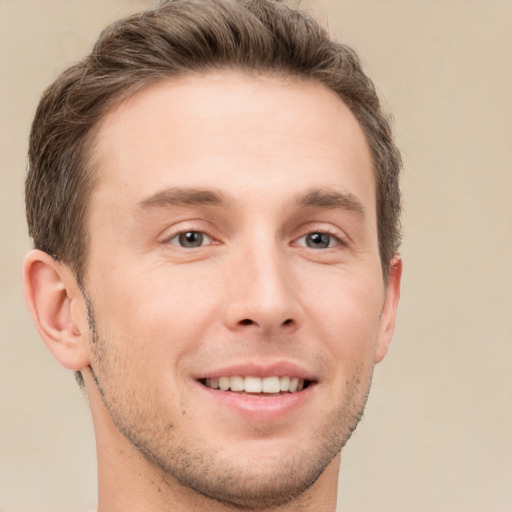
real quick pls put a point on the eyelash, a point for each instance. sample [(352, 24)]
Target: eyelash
[(339, 241), (178, 239)]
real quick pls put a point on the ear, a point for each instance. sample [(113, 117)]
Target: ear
[(388, 315), (58, 308)]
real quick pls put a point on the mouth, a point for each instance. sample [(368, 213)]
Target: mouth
[(270, 386), (260, 393)]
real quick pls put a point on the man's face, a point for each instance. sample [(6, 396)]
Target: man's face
[(234, 240)]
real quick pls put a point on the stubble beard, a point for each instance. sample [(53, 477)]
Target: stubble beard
[(245, 484)]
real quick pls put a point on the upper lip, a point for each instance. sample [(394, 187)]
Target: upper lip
[(253, 369)]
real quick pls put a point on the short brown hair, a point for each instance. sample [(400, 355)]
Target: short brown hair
[(181, 37)]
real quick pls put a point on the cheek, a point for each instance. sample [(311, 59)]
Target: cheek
[(160, 316), (347, 315)]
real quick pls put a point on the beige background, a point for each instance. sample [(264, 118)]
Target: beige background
[(436, 436)]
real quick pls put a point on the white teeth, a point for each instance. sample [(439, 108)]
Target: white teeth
[(271, 385), (224, 383), (285, 383), (253, 385), (236, 383), (256, 384)]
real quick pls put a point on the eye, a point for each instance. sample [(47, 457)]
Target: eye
[(319, 240), (190, 239)]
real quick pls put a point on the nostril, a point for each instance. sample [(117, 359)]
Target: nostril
[(248, 321)]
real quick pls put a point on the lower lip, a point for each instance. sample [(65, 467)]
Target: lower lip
[(260, 408)]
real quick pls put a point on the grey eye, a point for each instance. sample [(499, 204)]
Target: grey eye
[(318, 240), (190, 239)]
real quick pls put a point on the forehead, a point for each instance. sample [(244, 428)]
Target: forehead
[(232, 130)]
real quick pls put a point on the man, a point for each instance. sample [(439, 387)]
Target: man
[(213, 197)]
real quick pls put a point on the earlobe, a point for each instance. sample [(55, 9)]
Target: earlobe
[(388, 315), (57, 307)]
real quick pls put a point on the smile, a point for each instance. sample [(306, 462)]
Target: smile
[(250, 384), (259, 393)]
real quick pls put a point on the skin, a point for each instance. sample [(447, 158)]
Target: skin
[(256, 165)]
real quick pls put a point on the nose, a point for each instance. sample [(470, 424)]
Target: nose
[(262, 292)]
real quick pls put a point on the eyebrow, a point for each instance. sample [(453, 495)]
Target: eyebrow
[(328, 198), (313, 198), (184, 197)]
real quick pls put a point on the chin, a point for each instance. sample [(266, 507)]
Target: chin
[(254, 484)]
